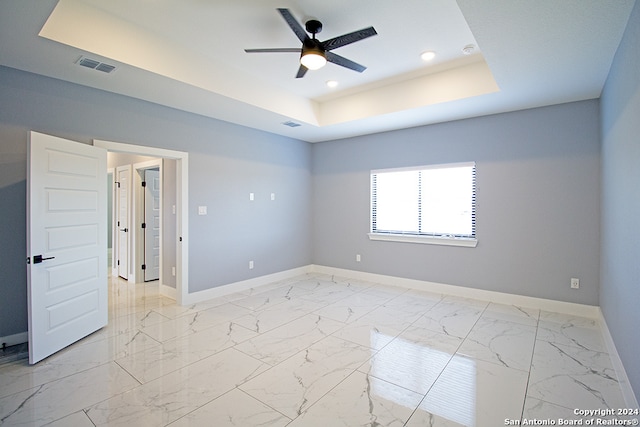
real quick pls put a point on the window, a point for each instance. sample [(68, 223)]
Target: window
[(427, 204)]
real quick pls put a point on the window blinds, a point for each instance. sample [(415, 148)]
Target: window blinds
[(437, 200)]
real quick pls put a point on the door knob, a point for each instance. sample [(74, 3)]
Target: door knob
[(37, 259)]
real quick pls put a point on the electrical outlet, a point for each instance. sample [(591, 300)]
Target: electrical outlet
[(250, 265), (575, 283), (273, 196), (173, 271), (358, 259), (251, 196)]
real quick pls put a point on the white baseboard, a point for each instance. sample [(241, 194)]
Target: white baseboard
[(627, 392), (583, 310), (243, 285), (168, 291), (15, 339)]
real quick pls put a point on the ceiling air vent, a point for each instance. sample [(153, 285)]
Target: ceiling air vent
[(95, 65), (105, 68), (291, 124)]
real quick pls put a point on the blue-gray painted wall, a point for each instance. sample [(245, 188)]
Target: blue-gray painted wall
[(620, 277), (538, 202), (226, 163)]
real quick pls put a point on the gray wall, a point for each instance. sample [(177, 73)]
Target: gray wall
[(538, 213), (620, 278), (226, 163), (121, 159), (13, 244)]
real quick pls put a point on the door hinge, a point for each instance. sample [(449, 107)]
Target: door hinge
[(118, 262), (144, 183), (144, 225), (144, 266), (118, 184)]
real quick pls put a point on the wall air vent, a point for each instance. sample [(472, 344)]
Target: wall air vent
[(291, 124), (95, 65)]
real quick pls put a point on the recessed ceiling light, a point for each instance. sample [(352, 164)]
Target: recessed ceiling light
[(332, 83), (428, 55)]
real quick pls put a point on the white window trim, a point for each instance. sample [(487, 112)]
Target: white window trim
[(418, 168), (427, 240)]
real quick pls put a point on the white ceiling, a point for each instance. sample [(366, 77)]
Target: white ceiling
[(189, 55)]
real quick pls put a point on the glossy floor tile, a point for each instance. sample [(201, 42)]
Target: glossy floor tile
[(297, 383), (472, 392), (315, 350)]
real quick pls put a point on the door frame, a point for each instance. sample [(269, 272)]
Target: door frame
[(182, 202), (112, 238)]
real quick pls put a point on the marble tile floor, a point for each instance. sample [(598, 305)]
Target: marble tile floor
[(12, 353), (315, 350)]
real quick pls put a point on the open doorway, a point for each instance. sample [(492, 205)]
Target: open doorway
[(110, 192), (176, 164), (155, 214), (152, 227), (146, 210), (122, 220)]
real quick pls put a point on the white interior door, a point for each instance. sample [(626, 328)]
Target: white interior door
[(152, 224), (124, 182), (66, 243)]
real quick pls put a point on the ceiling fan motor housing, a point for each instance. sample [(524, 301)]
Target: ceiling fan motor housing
[(312, 45)]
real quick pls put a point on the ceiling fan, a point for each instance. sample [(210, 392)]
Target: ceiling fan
[(314, 53)]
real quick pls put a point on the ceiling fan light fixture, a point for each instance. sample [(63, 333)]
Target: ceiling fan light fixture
[(313, 60)]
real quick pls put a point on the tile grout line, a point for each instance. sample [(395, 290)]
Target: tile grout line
[(533, 350)]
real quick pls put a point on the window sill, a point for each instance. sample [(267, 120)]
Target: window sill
[(427, 240)]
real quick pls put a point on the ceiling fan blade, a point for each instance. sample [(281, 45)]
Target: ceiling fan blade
[(346, 39), (301, 71), (295, 25), (344, 62), (275, 50)]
